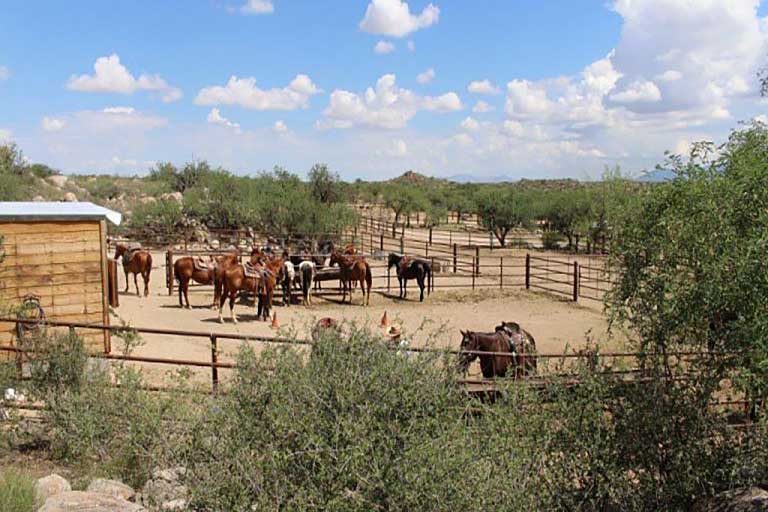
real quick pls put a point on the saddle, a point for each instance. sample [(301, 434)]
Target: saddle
[(254, 271), (517, 339), (201, 264), (405, 263), (133, 250)]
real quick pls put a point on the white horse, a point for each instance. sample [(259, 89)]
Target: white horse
[(306, 276)]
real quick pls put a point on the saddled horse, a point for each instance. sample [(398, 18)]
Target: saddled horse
[(189, 268), (135, 261), (516, 353), (253, 279), (222, 263), (353, 268), (410, 268)]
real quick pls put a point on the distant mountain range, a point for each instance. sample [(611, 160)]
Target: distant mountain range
[(654, 176)]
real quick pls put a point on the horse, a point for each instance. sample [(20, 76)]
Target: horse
[(306, 276), (188, 269), (222, 263), (410, 268), (236, 279), (353, 269), (135, 261), (288, 281), (519, 347)]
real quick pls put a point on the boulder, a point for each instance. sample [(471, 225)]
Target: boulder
[(744, 499), (70, 197), (83, 501), (58, 180), (112, 488), (165, 490), (50, 485)]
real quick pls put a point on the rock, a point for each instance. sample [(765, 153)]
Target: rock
[(38, 199), (745, 499), (50, 485), (165, 490), (70, 197), (173, 196), (83, 501), (112, 488), (58, 180)]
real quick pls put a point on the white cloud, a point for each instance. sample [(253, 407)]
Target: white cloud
[(386, 106), (52, 124), (257, 7), (513, 128), (279, 127), (669, 75), (131, 163), (383, 47), (525, 98), (117, 118), (215, 117), (481, 107), (394, 18), (111, 76), (396, 148), (470, 124), (638, 92), (482, 87), (4, 73), (411, 46), (245, 93), (426, 76)]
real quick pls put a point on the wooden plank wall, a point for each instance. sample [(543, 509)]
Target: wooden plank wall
[(63, 264)]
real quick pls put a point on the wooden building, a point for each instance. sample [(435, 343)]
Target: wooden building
[(56, 254)]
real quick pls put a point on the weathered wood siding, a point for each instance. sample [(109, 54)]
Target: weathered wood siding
[(62, 263)]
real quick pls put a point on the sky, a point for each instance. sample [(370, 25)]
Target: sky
[(523, 89)]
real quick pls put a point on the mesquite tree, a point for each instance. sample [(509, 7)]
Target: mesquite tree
[(502, 209)]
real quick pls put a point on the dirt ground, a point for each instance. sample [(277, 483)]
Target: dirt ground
[(556, 324)]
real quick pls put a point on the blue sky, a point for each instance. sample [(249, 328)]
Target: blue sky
[(568, 87)]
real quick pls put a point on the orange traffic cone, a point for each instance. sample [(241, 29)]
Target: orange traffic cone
[(384, 320), (275, 323)]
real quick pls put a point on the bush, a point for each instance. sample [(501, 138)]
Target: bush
[(551, 240), (17, 491)]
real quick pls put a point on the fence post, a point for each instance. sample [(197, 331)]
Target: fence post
[(430, 236), (381, 241), (432, 276), (426, 249), (454, 258), (474, 267), (477, 259), (214, 368), (169, 271), (575, 281), (527, 271), (501, 273), (450, 237), (402, 246), (469, 238)]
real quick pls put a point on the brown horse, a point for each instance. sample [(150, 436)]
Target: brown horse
[(222, 263), (135, 261), (261, 283), (187, 269), (352, 269), (497, 365)]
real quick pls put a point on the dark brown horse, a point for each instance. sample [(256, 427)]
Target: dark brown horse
[(353, 268), (506, 353), (410, 268), (188, 269), (135, 261)]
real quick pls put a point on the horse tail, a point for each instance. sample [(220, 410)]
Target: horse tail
[(149, 262), (368, 277), (428, 275)]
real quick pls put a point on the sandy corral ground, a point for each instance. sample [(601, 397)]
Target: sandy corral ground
[(556, 324)]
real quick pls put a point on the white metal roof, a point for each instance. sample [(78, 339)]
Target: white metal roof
[(42, 211)]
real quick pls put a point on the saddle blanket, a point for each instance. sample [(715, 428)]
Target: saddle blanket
[(201, 264), (253, 271)]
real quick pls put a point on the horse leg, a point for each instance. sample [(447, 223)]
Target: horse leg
[(405, 287), (181, 288), (221, 301), (232, 296), (186, 294), (136, 282), (127, 281), (421, 287), (145, 276)]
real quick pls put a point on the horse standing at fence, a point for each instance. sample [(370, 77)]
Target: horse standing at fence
[(222, 263), (188, 269), (353, 268), (306, 276), (252, 278), (519, 356), (135, 261), (410, 268)]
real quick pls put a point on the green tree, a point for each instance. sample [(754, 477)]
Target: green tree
[(324, 184), (403, 200), (502, 209)]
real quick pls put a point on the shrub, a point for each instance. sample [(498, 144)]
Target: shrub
[(551, 240), (16, 491)]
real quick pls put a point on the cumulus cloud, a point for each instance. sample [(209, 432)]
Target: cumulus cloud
[(118, 118), (279, 127), (383, 47), (385, 106), (426, 76), (215, 117), (52, 124), (110, 75), (394, 18), (482, 87), (257, 7), (244, 92), (481, 107), (396, 148), (470, 124), (638, 92), (4, 73)]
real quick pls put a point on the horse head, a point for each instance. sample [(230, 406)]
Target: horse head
[(468, 344), (393, 260), (120, 249)]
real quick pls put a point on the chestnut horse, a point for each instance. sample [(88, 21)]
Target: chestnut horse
[(135, 261), (353, 268), (261, 285), (186, 269), (518, 347)]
